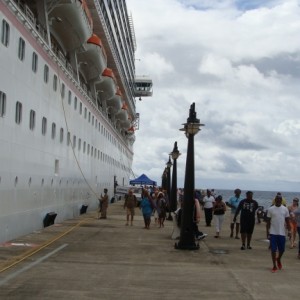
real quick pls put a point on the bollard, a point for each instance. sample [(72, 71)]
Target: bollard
[(49, 219), (83, 209)]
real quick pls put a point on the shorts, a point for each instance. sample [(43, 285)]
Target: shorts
[(130, 211), (247, 227), (237, 218), (277, 242)]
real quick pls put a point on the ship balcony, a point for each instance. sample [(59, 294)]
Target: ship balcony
[(70, 23), (143, 87)]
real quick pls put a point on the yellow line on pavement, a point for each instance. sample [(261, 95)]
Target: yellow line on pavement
[(17, 259)]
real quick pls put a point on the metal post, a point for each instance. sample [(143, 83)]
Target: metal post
[(175, 154), (187, 238), (169, 165), (164, 179)]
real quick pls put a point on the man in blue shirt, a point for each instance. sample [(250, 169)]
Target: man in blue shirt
[(233, 203)]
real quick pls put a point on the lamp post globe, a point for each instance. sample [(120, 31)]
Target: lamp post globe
[(169, 165), (187, 238), (173, 201)]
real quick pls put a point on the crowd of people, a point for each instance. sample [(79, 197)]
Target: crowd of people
[(280, 218)]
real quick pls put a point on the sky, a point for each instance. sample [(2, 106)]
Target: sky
[(239, 62)]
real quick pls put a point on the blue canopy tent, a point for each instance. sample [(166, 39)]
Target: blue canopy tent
[(142, 180)]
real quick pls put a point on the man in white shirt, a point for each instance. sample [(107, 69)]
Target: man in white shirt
[(208, 203), (277, 216)]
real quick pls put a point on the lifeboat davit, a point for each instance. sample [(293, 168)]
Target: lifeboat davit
[(107, 86), (93, 61), (71, 23), (115, 102)]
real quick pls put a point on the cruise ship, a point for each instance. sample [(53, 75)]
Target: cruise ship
[(68, 92)]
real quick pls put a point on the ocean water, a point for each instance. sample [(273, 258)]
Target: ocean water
[(264, 198)]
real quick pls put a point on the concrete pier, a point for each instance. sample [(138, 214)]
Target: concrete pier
[(87, 258)]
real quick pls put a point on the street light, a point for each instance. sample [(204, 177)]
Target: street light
[(164, 179), (187, 238), (169, 165), (173, 201)]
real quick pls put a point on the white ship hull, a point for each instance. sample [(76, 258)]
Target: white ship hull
[(51, 171)]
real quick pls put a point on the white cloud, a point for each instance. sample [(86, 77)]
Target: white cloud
[(157, 65), (289, 128), (239, 62)]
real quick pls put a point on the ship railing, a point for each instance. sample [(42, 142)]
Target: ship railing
[(62, 58), (42, 31), (70, 69), (30, 16), (25, 10)]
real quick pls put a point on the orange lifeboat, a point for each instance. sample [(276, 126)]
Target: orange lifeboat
[(71, 23), (131, 130), (93, 61), (115, 102), (107, 86)]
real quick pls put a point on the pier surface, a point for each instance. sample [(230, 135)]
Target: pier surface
[(87, 258)]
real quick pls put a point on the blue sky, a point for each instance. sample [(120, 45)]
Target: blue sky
[(254, 4), (240, 63), (242, 5)]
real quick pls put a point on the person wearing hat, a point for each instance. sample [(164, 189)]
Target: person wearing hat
[(294, 206), (247, 209), (233, 203)]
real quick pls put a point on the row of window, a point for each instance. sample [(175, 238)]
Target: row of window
[(61, 181), (5, 38), (74, 141)]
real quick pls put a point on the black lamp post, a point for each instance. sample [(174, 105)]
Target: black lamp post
[(187, 239), (173, 201), (164, 179), (169, 165)]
